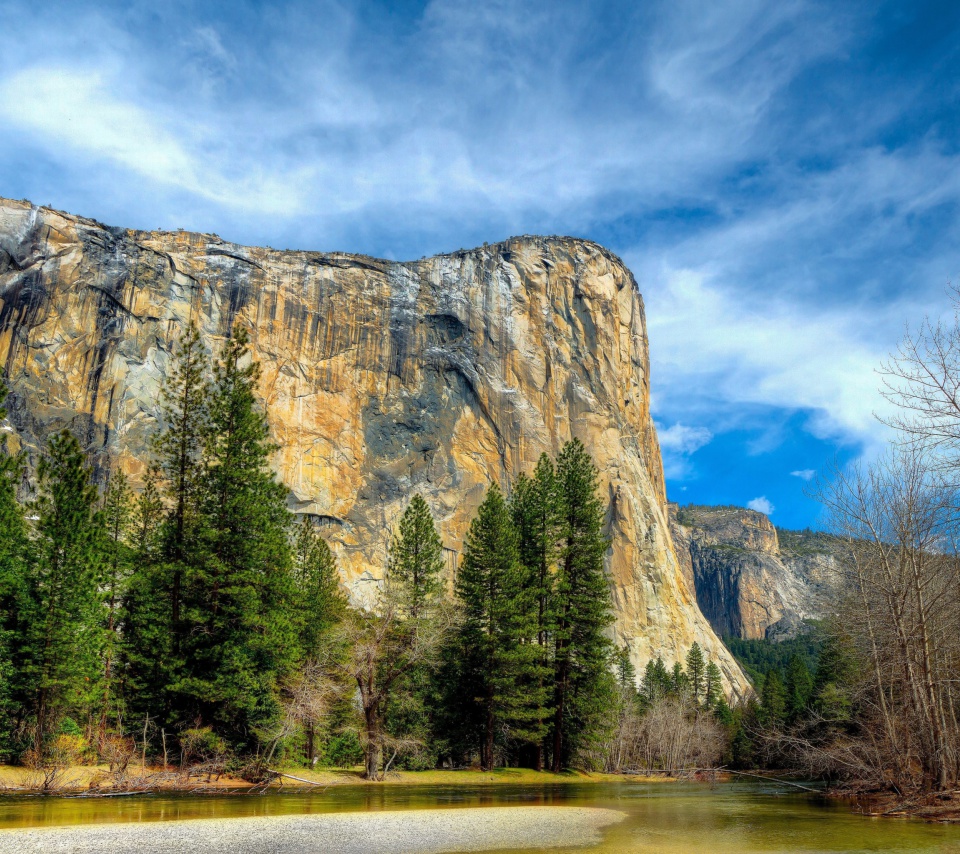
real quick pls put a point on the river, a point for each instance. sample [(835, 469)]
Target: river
[(727, 818)]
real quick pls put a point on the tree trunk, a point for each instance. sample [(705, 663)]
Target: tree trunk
[(486, 760), (374, 748)]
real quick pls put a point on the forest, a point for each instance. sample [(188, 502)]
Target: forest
[(197, 621)]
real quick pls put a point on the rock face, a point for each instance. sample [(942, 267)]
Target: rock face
[(748, 582), (381, 380)]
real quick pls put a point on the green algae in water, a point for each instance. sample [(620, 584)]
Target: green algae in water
[(667, 818)]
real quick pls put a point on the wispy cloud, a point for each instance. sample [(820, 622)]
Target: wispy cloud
[(783, 178), (804, 474)]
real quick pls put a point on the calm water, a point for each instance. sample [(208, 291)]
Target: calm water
[(668, 817)]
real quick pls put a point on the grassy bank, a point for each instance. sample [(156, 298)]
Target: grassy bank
[(99, 779)]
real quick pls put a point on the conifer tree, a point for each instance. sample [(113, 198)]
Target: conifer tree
[(626, 672), (14, 602), (679, 681), (147, 519), (773, 699), (116, 570), (656, 682), (535, 510), (713, 688), (65, 635), (239, 595), (179, 449), (416, 558), (799, 688), (320, 602), (502, 669), (696, 672), (582, 608)]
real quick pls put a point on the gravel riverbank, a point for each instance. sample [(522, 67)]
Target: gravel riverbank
[(402, 832)]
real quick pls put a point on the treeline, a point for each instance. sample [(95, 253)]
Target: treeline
[(677, 719), (197, 621)]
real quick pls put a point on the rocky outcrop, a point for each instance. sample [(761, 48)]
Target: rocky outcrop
[(381, 380), (748, 582)]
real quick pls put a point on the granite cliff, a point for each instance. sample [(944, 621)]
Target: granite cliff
[(750, 580), (381, 379)]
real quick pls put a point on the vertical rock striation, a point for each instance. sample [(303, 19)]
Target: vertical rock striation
[(382, 379), (748, 581)]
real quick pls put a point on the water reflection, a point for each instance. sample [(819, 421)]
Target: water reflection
[(663, 818)]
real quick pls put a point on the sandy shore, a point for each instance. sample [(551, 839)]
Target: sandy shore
[(402, 832)]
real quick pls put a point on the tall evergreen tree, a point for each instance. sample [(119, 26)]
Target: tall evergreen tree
[(536, 513), (799, 687), (147, 519), (179, 449), (696, 672), (656, 682), (168, 540), (713, 687), (416, 558), (239, 596), (65, 635), (117, 563), (320, 602), (773, 699), (14, 601), (502, 672), (582, 608)]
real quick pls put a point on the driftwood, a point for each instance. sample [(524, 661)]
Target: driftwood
[(298, 779)]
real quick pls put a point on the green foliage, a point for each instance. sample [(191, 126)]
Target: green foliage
[(757, 656), (342, 750), (501, 669), (656, 683), (773, 699), (64, 639), (799, 687), (320, 602), (696, 672), (581, 610), (240, 637), (14, 594), (416, 558), (713, 685)]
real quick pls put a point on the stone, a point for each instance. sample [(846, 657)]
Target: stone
[(749, 580), (381, 380)]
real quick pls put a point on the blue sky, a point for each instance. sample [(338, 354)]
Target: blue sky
[(783, 178)]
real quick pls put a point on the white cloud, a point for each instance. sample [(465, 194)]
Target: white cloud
[(804, 474), (77, 110), (682, 439), (761, 505)]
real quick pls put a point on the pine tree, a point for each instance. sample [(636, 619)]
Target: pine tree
[(64, 633), (169, 541), (656, 682), (147, 519), (696, 672), (416, 558), (179, 449), (773, 699), (239, 595), (799, 688), (14, 601), (535, 510), (501, 672), (679, 681), (626, 672), (713, 690), (116, 570), (582, 608), (320, 602)]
